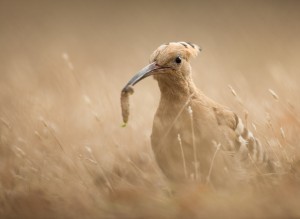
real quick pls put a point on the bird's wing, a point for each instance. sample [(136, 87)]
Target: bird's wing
[(244, 141), (226, 117)]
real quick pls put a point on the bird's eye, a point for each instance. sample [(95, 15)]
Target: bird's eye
[(178, 60)]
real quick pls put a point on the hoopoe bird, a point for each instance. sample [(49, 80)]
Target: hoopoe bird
[(189, 128)]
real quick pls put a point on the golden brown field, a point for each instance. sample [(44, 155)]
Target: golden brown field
[(63, 153)]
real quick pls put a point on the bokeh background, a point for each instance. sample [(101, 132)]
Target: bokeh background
[(63, 64)]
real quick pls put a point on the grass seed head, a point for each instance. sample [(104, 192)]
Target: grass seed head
[(274, 95)]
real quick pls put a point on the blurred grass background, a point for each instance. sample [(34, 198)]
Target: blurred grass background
[(62, 67)]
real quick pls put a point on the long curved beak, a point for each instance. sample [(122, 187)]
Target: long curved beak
[(145, 72)]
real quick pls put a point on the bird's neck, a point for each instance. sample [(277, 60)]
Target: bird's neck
[(176, 89)]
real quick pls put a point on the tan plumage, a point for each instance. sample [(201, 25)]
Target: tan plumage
[(200, 122)]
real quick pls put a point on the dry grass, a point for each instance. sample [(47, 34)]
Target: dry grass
[(63, 152)]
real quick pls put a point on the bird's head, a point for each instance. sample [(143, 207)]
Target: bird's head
[(168, 60)]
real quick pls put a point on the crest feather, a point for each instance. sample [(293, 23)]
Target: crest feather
[(167, 50)]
